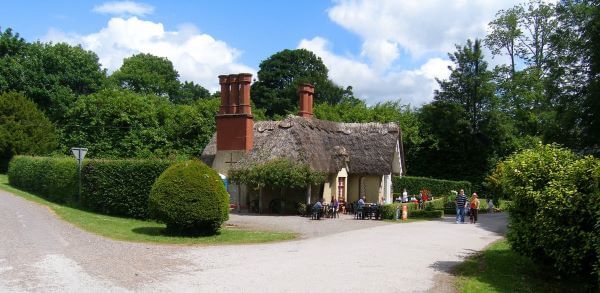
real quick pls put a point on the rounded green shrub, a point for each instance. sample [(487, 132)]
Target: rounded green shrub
[(555, 209), (190, 198)]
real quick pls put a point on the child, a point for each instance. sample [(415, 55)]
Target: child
[(474, 208)]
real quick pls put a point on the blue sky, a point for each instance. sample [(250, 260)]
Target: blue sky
[(385, 49)]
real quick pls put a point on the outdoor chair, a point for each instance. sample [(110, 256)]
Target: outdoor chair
[(316, 213), (359, 213)]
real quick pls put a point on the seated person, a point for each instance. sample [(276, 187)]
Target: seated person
[(317, 209), (361, 202)]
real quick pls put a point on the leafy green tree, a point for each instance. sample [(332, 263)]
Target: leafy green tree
[(51, 75), (280, 75), (23, 129), (505, 34), (464, 130), (117, 123), (190, 92), (470, 83), (148, 74)]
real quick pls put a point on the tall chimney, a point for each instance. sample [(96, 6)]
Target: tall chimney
[(306, 92), (235, 124), (234, 92), (224, 82), (244, 80)]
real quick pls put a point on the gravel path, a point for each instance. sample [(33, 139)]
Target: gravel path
[(39, 253)]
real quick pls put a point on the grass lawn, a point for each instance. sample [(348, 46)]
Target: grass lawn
[(499, 269), (142, 231)]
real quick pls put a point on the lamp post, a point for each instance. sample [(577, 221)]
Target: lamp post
[(79, 154)]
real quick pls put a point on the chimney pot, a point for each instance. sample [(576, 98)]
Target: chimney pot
[(224, 82), (306, 92), (244, 80), (234, 92)]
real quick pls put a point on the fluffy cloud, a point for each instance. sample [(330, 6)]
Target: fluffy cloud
[(411, 86), (417, 26), (124, 8), (196, 56)]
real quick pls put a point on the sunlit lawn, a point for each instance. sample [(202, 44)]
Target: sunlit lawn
[(500, 269), (140, 230)]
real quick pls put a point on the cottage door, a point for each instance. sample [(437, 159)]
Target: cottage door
[(341, 187)]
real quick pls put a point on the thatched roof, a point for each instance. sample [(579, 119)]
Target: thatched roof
[(366, 148)]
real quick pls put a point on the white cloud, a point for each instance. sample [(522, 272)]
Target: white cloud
[(411, 86), (196, 56), (417, 26), (124, 8)]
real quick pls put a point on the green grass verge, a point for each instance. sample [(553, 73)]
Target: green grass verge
[(500, 269), (143, 231)]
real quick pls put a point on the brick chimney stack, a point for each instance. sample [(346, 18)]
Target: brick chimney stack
[(306, 92), (235, 124)]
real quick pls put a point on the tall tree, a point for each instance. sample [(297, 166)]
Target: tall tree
[(23, 129), (279, 77), (148, 74), (470, 83), (505, 34)]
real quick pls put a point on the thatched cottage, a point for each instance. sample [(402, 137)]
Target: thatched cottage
[(359, 158)]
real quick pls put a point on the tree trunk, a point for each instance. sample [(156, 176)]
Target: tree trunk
[(282, 202)]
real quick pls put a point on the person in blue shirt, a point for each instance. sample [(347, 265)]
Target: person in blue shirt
[(461, 202)]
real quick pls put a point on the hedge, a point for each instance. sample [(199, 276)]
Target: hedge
[(120, 187), (426, 214), (437, 187), (116, 187), (388, 211), (436, 204), (51, 178)]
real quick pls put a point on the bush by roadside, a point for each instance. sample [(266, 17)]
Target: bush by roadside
[(555, 210)]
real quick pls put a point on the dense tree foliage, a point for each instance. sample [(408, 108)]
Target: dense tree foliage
[(152, 75), (23, 129), (118, 123), (51, 75), (280, 75)]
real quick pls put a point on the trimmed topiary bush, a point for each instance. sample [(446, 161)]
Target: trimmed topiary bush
[(555, 209), (190, 198)]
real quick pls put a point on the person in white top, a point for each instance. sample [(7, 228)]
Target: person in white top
[(404, 196)]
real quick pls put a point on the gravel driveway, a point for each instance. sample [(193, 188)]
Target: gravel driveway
[(40, 253)]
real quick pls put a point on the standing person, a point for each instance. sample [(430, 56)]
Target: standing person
[(474, 205), (404, 196), (461, 202), (335, 204)]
